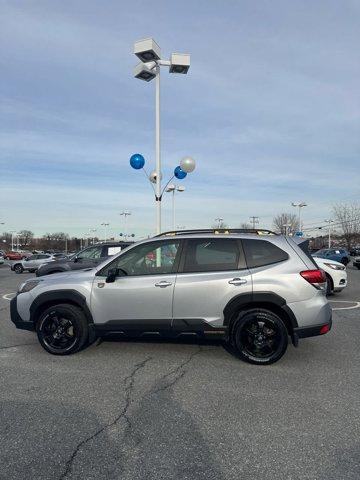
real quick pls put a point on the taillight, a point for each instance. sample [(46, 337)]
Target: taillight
[(317, 278), (324, 329)]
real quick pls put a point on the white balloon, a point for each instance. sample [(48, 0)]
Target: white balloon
[(152, 176), (187, 164)]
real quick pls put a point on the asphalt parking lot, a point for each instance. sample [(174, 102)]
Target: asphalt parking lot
[(180, 410)]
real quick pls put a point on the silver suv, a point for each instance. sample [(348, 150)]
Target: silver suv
[(254, 289)]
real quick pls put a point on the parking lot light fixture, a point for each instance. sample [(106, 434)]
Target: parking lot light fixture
[(149, 52), (329, 222), (219, 220), (172, 188), (105, 225), (300, 205), (12, 239), (286, 226), (125, 214)]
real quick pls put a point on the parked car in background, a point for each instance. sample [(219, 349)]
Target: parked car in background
[(1, 259), (355, 251), (336, 274), (11, 255), (32, 263), (87, 258), (356, 262), (338, 254)]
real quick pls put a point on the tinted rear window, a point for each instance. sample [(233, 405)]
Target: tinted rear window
[(260, 252)]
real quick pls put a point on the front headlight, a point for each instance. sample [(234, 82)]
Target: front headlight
[(27, 286), (334, 266)]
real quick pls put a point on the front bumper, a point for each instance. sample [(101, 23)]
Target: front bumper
[(16, 318)]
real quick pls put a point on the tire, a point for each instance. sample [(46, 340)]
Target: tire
[(329, 285), (62, 329), (18, 268), (344, 261), (259, 336)]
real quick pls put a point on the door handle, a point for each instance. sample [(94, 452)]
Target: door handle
[(163, 283), (238, 281)]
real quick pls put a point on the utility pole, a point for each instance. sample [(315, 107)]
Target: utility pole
[(254, 221)]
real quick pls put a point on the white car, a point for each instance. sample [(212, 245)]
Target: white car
[(335, 273), (32, 263)]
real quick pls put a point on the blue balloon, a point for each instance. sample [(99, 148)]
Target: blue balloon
[(137, 161), (179, 173)]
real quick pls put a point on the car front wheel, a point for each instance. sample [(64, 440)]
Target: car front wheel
[(259, 336), (62, 329), (18, 268)]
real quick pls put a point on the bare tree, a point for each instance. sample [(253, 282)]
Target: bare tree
[(25, 237), (245, 226), (289, 219), (347, 217), (221, 224)]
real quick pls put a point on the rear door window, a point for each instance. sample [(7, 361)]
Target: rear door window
[(261, 252), (211, 255)]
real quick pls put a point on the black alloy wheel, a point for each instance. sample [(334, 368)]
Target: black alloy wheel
[(18, 268), (62, 329), (260, 336)]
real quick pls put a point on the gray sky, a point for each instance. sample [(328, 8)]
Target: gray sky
[(270, 111)]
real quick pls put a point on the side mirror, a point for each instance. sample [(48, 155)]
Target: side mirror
[(111, 276)]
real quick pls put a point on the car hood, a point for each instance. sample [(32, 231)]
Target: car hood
[(58, 277)]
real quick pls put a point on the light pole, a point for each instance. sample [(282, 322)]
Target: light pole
[(126, 214), (286, 226), (329, 222), (149, 52), (300, 205), (92, 230), (219, 220), (174, 188), (105, 225), (12, 239), (254, 221)]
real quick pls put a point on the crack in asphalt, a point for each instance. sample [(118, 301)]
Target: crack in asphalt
[(129, 386), (177, 372)]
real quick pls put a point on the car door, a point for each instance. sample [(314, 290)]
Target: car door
[(31, 262), (142, 294), (41, 259), (212, 271)]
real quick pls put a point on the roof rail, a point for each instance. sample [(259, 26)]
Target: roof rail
[(218, 231)]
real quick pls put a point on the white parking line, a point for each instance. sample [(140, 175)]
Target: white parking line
[(5, 297), (357, 304)]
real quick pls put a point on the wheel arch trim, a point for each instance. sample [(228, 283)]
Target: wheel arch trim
[(63, 296), (260, 300)]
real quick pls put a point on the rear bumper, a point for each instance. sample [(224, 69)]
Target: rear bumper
[(16, 318), (313, 330)]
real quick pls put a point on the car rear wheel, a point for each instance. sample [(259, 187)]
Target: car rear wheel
[(18, 268), (259, 336), (329, 285), (62, 329)]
